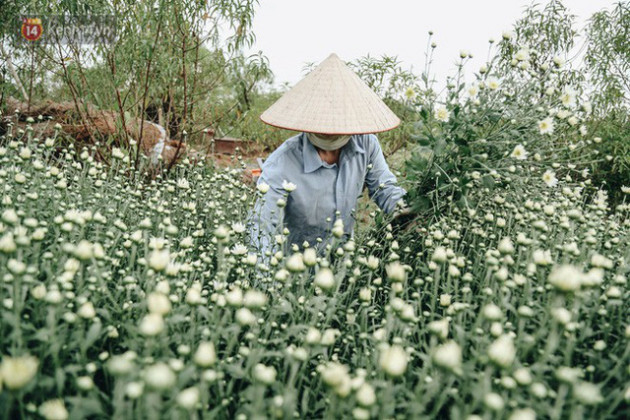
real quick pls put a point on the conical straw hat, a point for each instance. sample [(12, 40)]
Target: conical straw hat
[(331, 99)]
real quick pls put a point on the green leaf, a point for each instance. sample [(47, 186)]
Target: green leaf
[(84, 407), (487, 181), (92, 335), (60, 378)]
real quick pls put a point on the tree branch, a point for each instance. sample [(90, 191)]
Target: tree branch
[(14, 75)]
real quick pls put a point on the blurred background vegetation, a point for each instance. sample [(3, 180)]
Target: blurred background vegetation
[(179, 64), (182, 65)]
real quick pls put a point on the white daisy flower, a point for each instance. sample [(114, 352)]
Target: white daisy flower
[(549, 177), (546, 126), (519, 152)]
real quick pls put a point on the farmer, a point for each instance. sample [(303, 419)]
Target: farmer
[(324, 168)]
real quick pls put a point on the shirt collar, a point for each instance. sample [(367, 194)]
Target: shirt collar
[(311, 158)]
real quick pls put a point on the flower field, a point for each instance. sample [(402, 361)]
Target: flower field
[(124, 298), (131, 287)]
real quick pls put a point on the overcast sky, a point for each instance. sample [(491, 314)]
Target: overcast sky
[(293, 32)]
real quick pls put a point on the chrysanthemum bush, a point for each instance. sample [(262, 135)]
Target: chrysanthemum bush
[(523, 105), (141, 298), (507, 160)]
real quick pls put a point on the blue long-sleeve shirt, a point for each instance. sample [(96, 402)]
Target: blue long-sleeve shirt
[(322, 189)]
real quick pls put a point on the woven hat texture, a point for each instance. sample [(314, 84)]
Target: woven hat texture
[(331, 99)]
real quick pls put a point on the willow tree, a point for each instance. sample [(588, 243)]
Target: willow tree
[(608, 57), (169, 62)]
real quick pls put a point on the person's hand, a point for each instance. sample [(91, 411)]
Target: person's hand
[(402, 216)]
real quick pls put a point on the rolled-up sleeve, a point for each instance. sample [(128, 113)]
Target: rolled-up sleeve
[(381, 182), (265, 218)]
